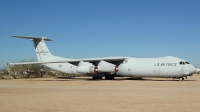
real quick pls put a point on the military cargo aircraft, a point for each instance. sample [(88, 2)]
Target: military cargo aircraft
[(110, 67)]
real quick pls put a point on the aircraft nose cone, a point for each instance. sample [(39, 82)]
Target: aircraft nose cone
[(193, 69), (198, 70)]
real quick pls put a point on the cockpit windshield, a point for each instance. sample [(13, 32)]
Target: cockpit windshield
[(187, 62), (183, 63)]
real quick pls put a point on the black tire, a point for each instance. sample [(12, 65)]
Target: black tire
[(96, 78), (110, 77)]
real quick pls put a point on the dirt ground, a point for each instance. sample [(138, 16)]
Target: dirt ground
[(82, 94)]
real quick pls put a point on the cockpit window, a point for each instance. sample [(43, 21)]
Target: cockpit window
[(187, 62), (183, 63)]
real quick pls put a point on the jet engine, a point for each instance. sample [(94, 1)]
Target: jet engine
[(86, 68), (107, 67)]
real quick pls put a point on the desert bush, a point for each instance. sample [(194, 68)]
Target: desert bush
[(1, 76), (26, 70)]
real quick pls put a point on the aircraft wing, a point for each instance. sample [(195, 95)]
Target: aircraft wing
[(100, 59), (109, 59)]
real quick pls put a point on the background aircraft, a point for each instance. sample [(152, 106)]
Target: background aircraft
[(109, 67)]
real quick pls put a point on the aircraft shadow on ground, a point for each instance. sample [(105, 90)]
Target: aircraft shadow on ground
[(49, 80), (116, 79), (148, 79), (67, 79)]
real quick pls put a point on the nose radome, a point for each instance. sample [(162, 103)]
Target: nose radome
[(193, 69), (197, 70)]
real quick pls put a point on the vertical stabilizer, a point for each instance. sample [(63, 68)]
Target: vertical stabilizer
[(41, 49)]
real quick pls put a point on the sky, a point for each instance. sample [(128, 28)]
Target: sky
[(101, 28)]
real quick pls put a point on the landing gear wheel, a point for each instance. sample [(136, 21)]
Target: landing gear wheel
[(181, 79), (96, 78), (109, 77), (99, 77)]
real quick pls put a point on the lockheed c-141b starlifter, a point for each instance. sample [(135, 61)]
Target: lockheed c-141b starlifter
[(110, 67)]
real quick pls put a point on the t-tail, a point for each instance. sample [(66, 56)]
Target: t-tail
[(42, 51)]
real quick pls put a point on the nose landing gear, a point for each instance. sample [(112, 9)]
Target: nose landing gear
[(181, 78)]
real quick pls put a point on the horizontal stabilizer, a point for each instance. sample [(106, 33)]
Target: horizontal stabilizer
[(33, 38)]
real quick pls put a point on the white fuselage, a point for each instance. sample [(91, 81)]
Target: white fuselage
[(168, 67)]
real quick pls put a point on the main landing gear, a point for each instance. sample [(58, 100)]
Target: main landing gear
[(109, 77), (96, 78)]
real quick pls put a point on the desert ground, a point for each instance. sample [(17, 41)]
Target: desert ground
[(81, 94)]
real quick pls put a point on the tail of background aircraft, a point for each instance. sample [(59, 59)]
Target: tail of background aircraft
[(41, 49)]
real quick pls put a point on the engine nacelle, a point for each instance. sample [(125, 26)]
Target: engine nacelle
[(87, 69), (106, 67), (82, 63)]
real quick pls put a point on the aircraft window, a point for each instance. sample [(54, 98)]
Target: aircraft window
[(187, 62), (183, 63)]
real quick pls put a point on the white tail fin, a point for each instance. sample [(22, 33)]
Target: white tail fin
[(41, 49)]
